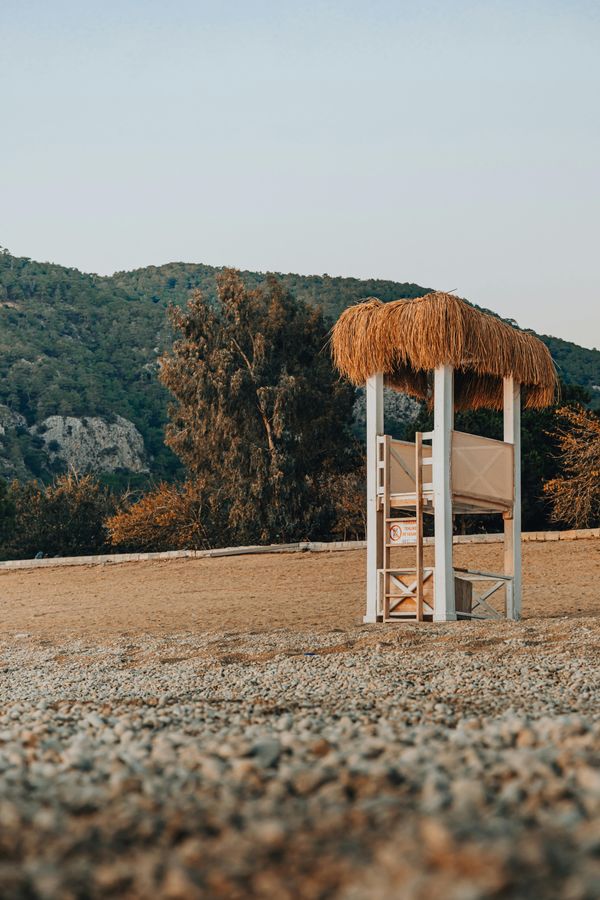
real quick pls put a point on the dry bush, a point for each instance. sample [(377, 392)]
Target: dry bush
[(575, 495), (60, 519), (170, 517)]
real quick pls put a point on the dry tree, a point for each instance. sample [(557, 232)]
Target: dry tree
[(575, 494)]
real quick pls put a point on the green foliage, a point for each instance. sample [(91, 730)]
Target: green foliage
[(78, 344), (7, 513), (576, 366), (260, 416), (174, 282)]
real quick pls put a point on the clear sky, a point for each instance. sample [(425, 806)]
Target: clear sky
[(455, 144)]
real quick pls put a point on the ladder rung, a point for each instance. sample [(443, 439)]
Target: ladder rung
[(400, 545)]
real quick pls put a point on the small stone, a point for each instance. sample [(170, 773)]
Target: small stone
[(320, 748), (242, 768), (178, 885), (266, 752), (270, 833)]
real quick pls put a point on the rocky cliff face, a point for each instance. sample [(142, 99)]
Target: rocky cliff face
[(93, 444), (12, 464), (64, 442), (399, 410), (9, 419)]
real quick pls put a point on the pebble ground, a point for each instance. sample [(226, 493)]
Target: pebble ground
[(426, 762)]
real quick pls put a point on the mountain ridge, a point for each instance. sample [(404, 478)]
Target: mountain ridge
[(86, 345)]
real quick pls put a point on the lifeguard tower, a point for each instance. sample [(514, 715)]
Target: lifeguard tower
[(440, 349)]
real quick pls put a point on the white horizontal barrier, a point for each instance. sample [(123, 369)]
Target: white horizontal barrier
[(304, 546)]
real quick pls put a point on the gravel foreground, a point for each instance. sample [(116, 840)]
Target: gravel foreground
[(456, 761)]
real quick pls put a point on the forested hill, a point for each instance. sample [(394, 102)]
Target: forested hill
[(174, 282), (74, 344)]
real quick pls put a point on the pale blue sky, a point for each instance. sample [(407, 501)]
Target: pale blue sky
[(454, 144)]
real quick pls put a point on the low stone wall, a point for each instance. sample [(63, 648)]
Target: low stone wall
[(304, 546), (103, 559)]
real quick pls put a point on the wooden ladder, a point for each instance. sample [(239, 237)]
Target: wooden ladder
[(389, 575)]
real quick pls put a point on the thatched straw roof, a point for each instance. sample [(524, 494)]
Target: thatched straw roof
[(406, 339)]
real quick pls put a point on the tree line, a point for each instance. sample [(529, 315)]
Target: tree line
[(77, 344), (264, 433)]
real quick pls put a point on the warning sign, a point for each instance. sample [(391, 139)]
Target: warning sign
[(403, 531)]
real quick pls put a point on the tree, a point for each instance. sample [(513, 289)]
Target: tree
[(259, 414), (79, 344), (7, 513), (575, 493)]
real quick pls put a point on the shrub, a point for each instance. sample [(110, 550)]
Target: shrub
[(575, 494), (170, 517), (65, 518)]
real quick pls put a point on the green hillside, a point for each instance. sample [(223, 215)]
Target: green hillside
[(86, 345), (174, 281)]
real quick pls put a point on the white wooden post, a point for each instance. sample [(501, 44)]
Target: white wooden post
[(374, 397), (443, 423), (512, 526)]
